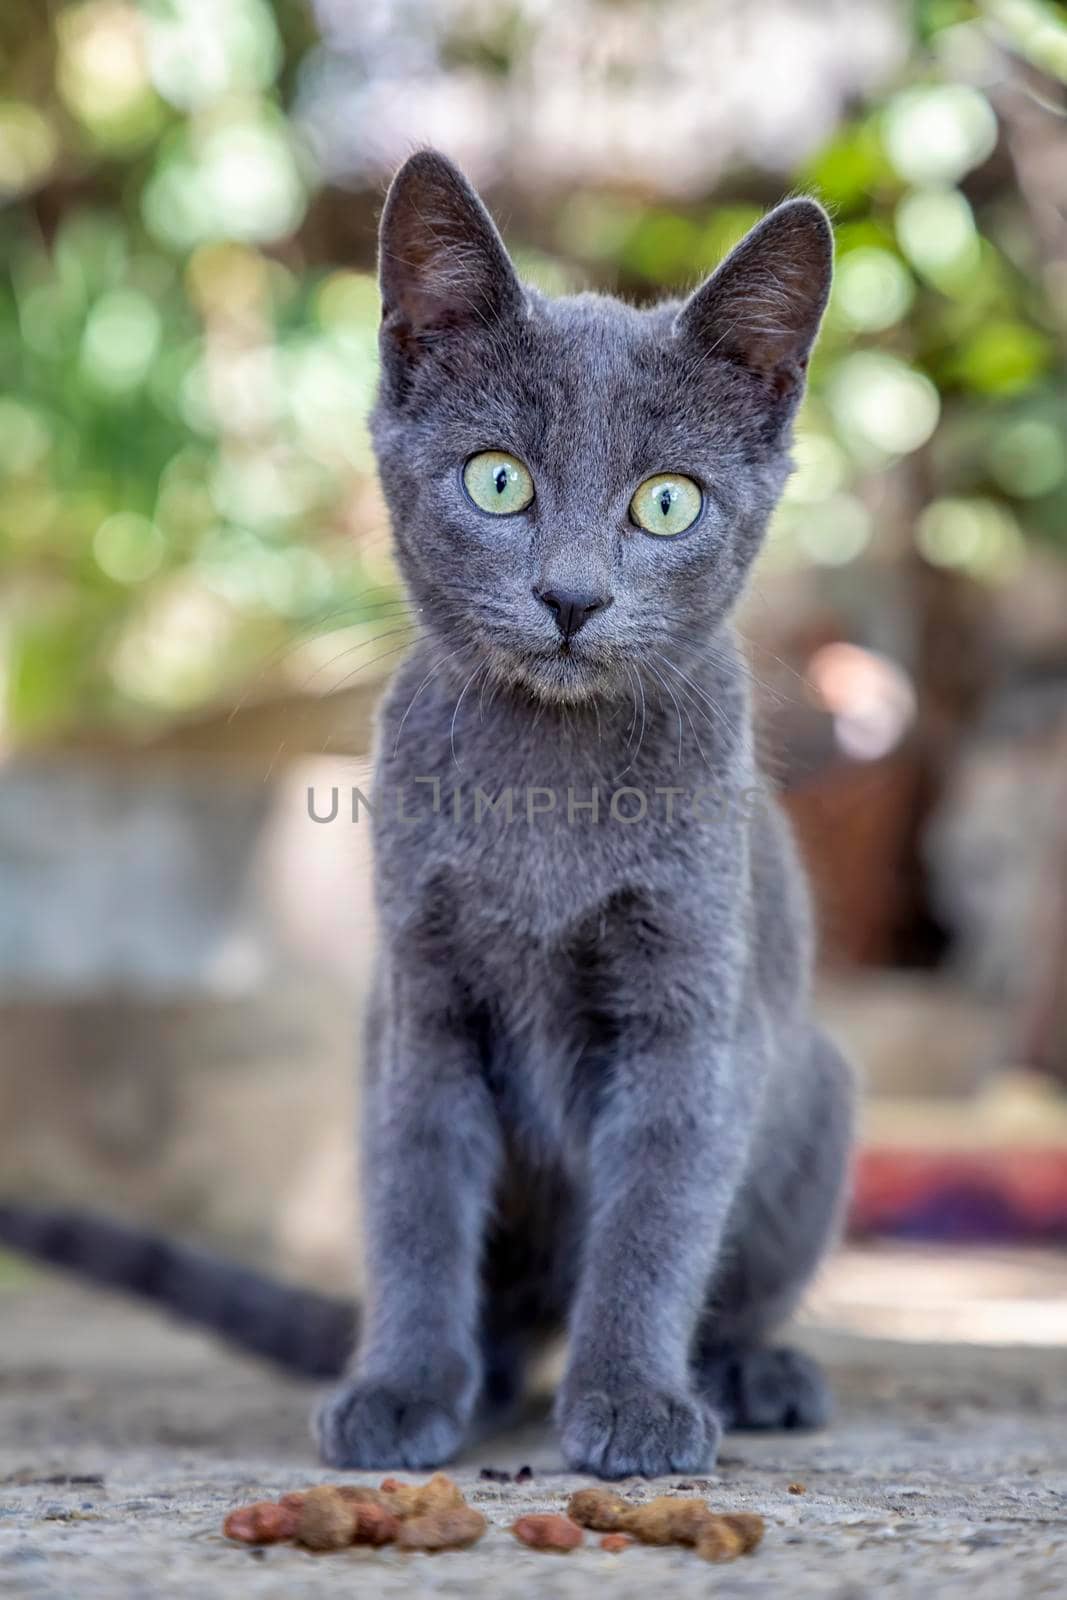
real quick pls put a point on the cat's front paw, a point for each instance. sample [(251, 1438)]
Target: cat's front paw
[(764, 1388), (640, 1431), (365, 1424)]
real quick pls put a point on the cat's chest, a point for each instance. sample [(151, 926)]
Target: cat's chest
[(502, 834), (516, 864)]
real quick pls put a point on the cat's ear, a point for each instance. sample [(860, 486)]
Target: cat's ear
[(441, 263), (762, 306)]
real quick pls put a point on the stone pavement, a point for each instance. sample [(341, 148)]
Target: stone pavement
[(123, 1442)]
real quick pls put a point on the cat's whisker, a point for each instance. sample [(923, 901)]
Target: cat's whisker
[(313, 629), (633, 697), (689, 719), (731, 660), (701, 694), (640, 737), (804, 682), (482, 664), (354, 649), (428, 678), (660, 679), (374, 661), (641, 686), (407, 628), (692, 692), (481, 697)]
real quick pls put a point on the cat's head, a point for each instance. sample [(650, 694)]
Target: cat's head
[(577, 485)]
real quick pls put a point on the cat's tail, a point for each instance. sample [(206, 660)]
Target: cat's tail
[(302, 1331)]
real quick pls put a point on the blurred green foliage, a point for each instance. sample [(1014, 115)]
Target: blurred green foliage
[(187, 485)]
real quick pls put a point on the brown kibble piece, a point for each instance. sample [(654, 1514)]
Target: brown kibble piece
[(401, 1498), (358, 1492), (600, 1509), (615, 1542), (374, 1524), (548, 1531), (719, 1541), (450, 1529), (361, 1494), (439, 1493), (749, 1527), (326, 1520), (261, 1523), (667, 1519)]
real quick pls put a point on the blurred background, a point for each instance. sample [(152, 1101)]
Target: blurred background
[(197, 606)]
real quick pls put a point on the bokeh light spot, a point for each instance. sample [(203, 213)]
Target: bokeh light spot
[(976, 536), (834, 532), (872, 289), (128, 547), (101, 71), (881, 405), (872, 700), (121, 337), (200, 50), (935, 229), (937, 132), (28, 146), (237, 181)]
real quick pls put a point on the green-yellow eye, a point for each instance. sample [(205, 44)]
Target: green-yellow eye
[(498, 482), (666, 504)]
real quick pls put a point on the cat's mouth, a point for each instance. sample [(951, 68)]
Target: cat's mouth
[(565, 673)]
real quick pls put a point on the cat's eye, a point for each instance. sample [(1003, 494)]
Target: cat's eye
[(666, 504), (498, 483)]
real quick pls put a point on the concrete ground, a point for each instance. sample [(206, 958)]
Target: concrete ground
[(124, 1441)]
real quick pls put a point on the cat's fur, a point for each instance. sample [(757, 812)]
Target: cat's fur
[(595, 1097), (595, 1094)]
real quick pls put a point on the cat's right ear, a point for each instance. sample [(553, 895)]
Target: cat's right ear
[(442, 265), (761, 307)]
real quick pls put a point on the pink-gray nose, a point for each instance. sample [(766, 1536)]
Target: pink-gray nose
[(572, 611)]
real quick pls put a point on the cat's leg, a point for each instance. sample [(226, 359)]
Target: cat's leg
[(668, 1149), (784, 1221), (432, 1151)]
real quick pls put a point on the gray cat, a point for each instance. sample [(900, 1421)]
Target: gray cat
[(595, 1096)]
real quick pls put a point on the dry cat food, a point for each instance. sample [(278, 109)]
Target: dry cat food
[(600, 1509), (326, 1519), (439, 1493), (669, 1519), (548, 1531), (452, 1528), (266, 1522), (435, 1516), (335, 1516), (749, 1527)]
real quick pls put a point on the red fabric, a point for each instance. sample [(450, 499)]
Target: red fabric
[(1013, 1192)]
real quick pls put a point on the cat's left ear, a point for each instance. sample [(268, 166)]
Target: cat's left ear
[(762, 306), (442, 265)]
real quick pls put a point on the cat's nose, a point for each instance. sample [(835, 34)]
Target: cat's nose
[(572, 610)]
